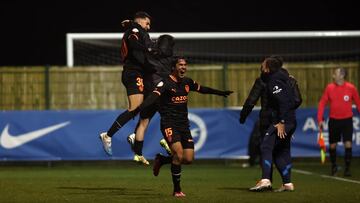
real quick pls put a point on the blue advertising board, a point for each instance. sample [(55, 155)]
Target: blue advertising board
[(74, 135)]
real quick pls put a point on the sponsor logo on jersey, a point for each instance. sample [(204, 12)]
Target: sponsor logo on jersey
[(179, 99)]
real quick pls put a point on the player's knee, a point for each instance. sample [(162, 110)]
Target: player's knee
[(144, 122), (132, 107), (135, 102), (265, 147), (179, 157), (188, 160)]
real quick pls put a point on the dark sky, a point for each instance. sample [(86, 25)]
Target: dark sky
[(33, 32)]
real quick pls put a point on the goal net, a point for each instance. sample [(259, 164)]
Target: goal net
[(218, 48)]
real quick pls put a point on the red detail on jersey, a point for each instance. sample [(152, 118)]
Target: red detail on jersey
[(340, 98), (123, 50)]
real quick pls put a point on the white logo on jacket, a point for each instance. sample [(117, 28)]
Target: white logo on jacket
[(160, 84), (276, 89), (135, 30)]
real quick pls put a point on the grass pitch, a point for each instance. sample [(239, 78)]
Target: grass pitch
[(202, 182)]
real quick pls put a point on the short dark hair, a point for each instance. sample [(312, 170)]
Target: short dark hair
[(141, 14), (343, 71), (273, 64), (279, 58), (176, 59)]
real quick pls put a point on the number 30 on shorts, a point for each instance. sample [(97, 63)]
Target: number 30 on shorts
[(168, 134), (140, 84)]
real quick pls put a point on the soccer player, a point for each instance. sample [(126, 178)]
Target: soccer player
[(173, 92), (136, 44), (276, 142), (161, 63), (158, 65), (340, 94)]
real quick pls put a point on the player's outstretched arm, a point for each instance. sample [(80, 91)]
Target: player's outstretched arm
[(208, 90)]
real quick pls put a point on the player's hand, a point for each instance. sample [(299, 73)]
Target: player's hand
[(321, 125), (242, 116), (242, 119), (280, 130), (226, 93)]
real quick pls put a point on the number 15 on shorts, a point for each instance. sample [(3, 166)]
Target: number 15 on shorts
[(168, 134)]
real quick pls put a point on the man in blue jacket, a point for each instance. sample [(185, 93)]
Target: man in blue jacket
[(275, 147)]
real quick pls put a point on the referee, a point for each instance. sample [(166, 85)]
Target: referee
[(340, 95)]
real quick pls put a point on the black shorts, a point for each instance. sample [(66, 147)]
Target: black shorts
[(150, 111), (175, 134), (133, 81), (340, 127)]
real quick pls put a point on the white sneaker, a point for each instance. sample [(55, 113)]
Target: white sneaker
[(286, 187), (262, 185), (164, 145), (131, 140), (106, 141), (140, 159)]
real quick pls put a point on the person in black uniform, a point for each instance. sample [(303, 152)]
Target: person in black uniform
[(136, 45), (159, 63), (173, 92), (276, 142)]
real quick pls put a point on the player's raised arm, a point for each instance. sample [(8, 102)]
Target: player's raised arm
[(209, 90)]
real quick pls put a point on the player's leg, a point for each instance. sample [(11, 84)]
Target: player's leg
[(139, 140), (134, 101), (178, 156), (132, 80), (334, 137), (144, 121), (170, 136), (347, 132), (119, 122), (263, 130), (266, 148), (282, 160), (187, 143), (173, 137)]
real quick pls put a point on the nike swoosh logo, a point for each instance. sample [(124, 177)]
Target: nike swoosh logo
[(9, 141)]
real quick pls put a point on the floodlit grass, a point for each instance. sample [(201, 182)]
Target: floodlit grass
[(202, 182)]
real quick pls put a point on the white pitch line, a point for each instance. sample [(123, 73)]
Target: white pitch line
[(302, 172), (325, 176), (342, 179)]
